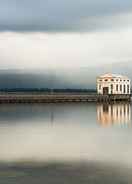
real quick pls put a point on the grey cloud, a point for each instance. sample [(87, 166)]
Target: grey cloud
[(82, 77), (57, 15)]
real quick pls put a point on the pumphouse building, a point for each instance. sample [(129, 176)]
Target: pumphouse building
[(109, 84)]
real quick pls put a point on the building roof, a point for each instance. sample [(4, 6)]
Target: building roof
[(110, 75)]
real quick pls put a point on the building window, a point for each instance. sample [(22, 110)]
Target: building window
[(116, 79), (120, 87), (117, 87), (124, 89), (106, 80), (111, 88), (128, 89), (99, 87), (112, 79)]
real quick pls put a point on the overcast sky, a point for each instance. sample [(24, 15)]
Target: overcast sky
[(64, 33)]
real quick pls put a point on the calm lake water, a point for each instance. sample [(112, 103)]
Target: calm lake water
[(66, 143)]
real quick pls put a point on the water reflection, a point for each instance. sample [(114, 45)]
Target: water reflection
[(116, 113), (54, 142), (65, 132)]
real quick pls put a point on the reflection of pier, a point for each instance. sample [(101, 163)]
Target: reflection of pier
[(117, 113)]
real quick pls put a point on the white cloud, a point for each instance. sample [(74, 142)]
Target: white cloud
[(43, 50)]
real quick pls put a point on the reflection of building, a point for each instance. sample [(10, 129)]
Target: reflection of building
[(113, 84), (108, 114)]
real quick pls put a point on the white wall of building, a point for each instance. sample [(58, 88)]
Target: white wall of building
[(116, 84)]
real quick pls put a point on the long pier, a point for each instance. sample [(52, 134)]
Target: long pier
[(27, 97)]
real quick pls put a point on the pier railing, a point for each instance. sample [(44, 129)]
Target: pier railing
[(61, 97)]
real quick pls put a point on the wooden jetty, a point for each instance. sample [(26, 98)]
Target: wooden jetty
[(59, 97)]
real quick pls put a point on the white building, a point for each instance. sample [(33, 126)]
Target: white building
[(113, 84)]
